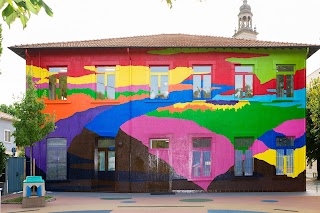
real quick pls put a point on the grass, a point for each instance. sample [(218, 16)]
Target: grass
[(19, 199)]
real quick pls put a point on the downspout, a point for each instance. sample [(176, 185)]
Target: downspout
[(130, 113), (31, 145)]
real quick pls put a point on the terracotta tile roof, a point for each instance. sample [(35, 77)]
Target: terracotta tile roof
[(163, 40), (5, 116)]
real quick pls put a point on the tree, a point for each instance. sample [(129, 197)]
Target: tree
[(31, 124), (169, 2), (3, 158), (313, 123), (7, 109), (22, 9)]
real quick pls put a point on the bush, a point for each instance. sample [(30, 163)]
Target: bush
[(3, 158)]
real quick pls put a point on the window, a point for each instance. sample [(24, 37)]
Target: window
[(285, 160), (159, 82), (243, 165), (106, 82), (7, 136), (243, 81), (201, 157), (58, 83), (106, 154), (201, 82), (285, 80), (159, 143), (56, 159)]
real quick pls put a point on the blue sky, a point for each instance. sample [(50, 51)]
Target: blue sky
[(285, 20)]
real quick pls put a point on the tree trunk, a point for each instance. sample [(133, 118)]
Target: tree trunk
[(318, 168), (31, 161)]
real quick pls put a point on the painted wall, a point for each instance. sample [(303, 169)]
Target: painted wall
[(133, 118)]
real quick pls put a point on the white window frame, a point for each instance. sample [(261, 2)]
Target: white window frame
[(159, 75), (166, 140), (5, 132), (107, 71)]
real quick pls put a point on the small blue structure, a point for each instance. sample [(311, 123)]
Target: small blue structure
[(33, 181)]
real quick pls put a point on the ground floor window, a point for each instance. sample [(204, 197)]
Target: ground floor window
[(243, 165), (285, 156), (106, 154), (56, 159), (201, 157)]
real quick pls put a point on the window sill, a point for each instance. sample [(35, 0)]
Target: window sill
[(7, 141), (57, 102), (105, 102)]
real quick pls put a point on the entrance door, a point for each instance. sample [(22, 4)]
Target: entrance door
[(105, 164), (159, 170)]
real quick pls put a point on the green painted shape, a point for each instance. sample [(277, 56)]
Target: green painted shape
[(85, 91), (195, 200), (264, 66), (252, 120), (129, 93)]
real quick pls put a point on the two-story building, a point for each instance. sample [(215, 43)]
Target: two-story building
[(6, 130), (172, 112)]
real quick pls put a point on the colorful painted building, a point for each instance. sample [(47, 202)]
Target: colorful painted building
[(172, 112)]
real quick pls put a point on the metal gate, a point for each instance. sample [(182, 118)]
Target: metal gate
[(15, 174)]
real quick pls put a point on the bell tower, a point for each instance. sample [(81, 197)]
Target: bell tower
[(245, 29)]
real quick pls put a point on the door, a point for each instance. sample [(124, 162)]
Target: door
[(105, 164), (15, 171), (159, 170)]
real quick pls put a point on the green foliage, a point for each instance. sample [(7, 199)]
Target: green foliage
[(31, 124), (22, 9), (169, 2), (7, 109), (3, 158), (313, 121)]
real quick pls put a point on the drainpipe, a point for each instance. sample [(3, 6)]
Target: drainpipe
[(130, 113)]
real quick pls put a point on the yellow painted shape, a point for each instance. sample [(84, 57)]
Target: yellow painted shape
[(299, 158), (38, 72), (237, 106), (179, 74), (90, 68)]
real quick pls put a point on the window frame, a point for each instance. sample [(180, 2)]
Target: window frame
[(201, 150), (243, 74), (159, 74), (243, 148), (66, 160), (5, 132), (285, 75), (106, 74), (285, 149), (105, 150), (202, 75), (57, 80), (166, 139)]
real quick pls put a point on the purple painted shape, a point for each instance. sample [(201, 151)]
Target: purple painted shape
[(133, 88), (222, 102), (295, 128), (258, 147), (179, 154), (67, 128)]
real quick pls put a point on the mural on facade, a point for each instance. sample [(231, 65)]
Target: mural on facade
[(213, 114)]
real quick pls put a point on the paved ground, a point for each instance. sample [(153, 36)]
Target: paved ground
[(75, 202)]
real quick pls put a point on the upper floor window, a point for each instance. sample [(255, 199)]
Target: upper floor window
[(106, 82), (243, 165), (7, 136), (201, 82), (243, 81), (285, 80), (159, 82), (201, 157), (285, 157), (58, 83)]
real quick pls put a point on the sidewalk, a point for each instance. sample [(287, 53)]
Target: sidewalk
[(87, 202)]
